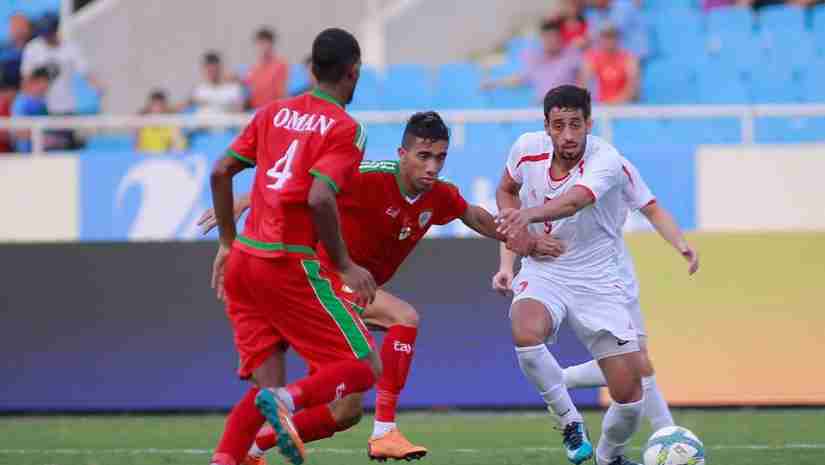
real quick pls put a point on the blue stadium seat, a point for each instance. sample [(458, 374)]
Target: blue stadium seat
[(775, 82), (680, 32), (513, 97), (797, 49), (110, 143), (212, 141), (368, 93), (783, 130), (35, 8), (661, 6), (458, 86), (87, 98), (667, 81), (818, 27), (729, 27), (812, 87), (298, 79), (785, 18), (719, 84), (407, 87)]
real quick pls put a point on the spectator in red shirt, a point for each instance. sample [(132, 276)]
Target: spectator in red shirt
[(267, 79), (615, 70), (573, 23)]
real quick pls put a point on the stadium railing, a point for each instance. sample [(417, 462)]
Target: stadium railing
[(458, 119)]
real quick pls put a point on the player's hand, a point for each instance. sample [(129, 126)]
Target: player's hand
[(511, 221), (208, 221), (523, 243), (503, 281), (548, 247), (692, 258), (218, 269), (361, 282)]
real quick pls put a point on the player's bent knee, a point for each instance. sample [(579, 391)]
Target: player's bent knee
[(531, 323), (348, 411), (406, 316)]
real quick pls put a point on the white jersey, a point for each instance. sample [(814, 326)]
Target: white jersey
[(594, 260), (636, 196), (63, 61)]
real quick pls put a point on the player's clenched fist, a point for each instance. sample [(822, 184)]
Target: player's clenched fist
[(361, 282), (511, 221), (503, 281)]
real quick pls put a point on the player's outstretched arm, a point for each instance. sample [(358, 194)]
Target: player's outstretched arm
[(568, 204), (324, 208), (207, 221), (666, 226), (507, 192)]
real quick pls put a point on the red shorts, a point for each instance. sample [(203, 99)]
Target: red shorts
[(290, 300)]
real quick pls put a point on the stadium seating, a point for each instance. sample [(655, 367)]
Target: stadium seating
[(667, 81), (783, 130), (407, 86), (107, 143), (368, 93), (818, 28), (458, 86)]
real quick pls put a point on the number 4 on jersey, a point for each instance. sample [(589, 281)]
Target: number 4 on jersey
[(281, 171)]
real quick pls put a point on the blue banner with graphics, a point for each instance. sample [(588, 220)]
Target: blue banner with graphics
[(132, 196)]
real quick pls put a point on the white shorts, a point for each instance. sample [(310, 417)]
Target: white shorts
[(636, 316), (602, 322)]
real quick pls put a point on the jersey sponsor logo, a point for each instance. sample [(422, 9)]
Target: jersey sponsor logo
[(424, 218), (399, 346), (393, 211), (170, 191), (347, 289), (292, 120), (521, 287), (405, 233)]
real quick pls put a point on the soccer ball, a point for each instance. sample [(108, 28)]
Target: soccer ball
[(674, 445)]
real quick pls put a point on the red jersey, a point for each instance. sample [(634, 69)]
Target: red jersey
[(381, 224), (290, 142)]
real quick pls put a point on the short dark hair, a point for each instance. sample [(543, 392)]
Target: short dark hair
[(211, 58), (551, 24), (333, 52), (567, 96), (41, 72), (426, 125), (265, 33), (157, 94)]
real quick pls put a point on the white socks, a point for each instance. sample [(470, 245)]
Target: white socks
[(586, 375), (589, 374), (542, 369), (381, 428), (655, 409), (619, 424)]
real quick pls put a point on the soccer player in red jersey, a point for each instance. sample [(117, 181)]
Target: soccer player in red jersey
[(305, 150), (388, 208)]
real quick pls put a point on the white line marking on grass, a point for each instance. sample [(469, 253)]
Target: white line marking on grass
[(322, 450)]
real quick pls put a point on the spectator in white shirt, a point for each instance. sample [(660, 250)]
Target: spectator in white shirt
[(63, 59), (217, 93)]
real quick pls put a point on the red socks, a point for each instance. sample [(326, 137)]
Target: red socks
[(332, 382), (396, 356), (312, 424), (242, 425)]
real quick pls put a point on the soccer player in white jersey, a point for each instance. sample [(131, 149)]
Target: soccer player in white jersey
[(638, 197), (573, 186)]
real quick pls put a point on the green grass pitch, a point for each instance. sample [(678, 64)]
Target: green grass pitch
[(732, 437)]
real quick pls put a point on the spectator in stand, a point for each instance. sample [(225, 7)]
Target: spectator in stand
[(573, 23), (756, 4), (11, 55), (616, 71), (269, 75), (159, 139), (217, 93), (627, 17), (63, 59), (32, 101), (552, 66)]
